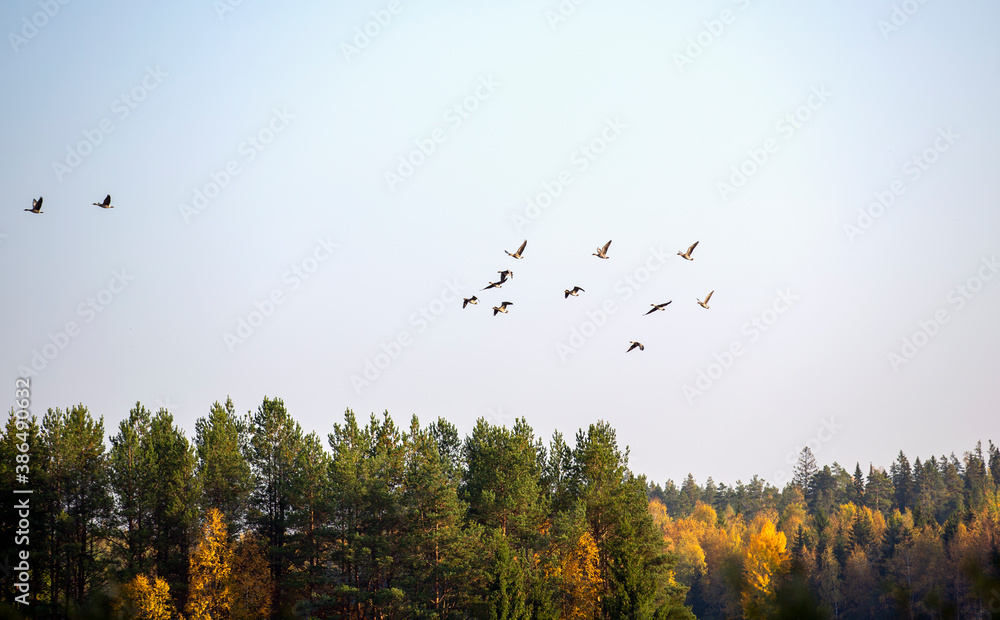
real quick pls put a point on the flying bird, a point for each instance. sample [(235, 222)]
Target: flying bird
[(507, 273), (519, 250), (687, 255), (634, 345), (36, 205), (471, 300), (493, 285), (106, 204), (575, 292), (502, 308), (602, 252), (658, 307), (704, 304)]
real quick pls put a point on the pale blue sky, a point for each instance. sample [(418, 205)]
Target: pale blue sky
[(531, 94)]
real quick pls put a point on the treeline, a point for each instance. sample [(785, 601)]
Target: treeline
[(254, 518), (918, 541)]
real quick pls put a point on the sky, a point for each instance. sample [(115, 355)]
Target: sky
[(304, 194)]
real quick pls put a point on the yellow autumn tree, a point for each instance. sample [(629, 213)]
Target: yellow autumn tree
[(251, 585), (209, 593), (764, 556), (581, 577), (145, 599)]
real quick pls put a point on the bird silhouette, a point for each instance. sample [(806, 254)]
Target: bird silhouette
[(519, 250), (602, 252), (658, 307), (687, 255), (575, 292), (506, 273), (106, 204), (492, 285), (502, 308), (36, 205), (704, 304), (634, 345), (471, 300)]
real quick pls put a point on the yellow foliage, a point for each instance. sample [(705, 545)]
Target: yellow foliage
[(209, 595), (251, 581), (659, 512), (145, 600), (581, 577), (763, 557)]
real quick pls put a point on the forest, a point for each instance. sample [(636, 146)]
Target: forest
[(253, 518)]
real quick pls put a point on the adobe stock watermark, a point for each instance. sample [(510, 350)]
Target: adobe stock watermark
[(370, 30), (121, 107), (420, 320), (625, 288), (561, 14), (913, 169), (498, 418), (958, 297), (713, 29), (30, 27), (786, 127), (825, 433), (579, 161), (292, 278), (901, 13), (86, 310), (224, 7), (751, 330), (248, 150), (453, 118)]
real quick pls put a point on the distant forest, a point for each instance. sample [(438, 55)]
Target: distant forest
[(256, 519)]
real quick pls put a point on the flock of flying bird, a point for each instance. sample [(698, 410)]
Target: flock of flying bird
[(506, 274), (602, 252), (36, 205)]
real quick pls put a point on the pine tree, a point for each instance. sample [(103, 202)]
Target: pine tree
[(173, 500), (805, 469), (76, 505), (131, 464), (690, 494), (223, 471), (902, 481), (502, 482), (275, 442)]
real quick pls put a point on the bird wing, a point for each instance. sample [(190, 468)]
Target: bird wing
[(652, 310), (606, 246), (37, 203), (693, 246), (107, 200), (641, 348), (709, 297), (521, 249)]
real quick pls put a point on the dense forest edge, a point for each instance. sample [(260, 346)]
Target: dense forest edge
[(256, 519)]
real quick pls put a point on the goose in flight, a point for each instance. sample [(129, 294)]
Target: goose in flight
[(519, 250), (106, 204), (493, 285), (502, 308), (471, 300), (575, 292), (634, 345), (602, 252), (506, 273), (687, 255), (704, 304), (658, 307), (36, 205)]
